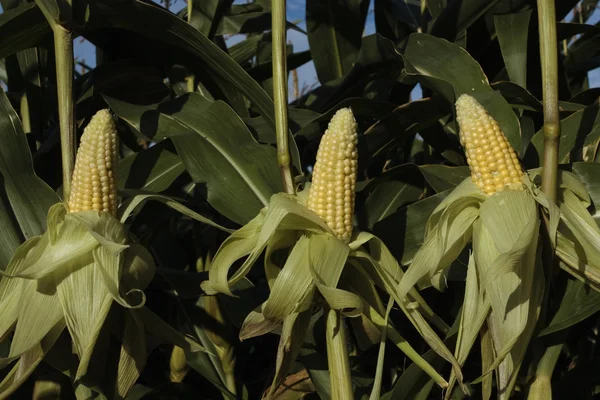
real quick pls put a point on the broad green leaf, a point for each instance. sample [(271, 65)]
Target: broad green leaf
[(574, 130), (451, 71), (388, 197), (442, 177), (217, 149), (408, 223), (29, 196), (578, 303), (517, 96), (246, 49), (313, 125), (204, 15), (396, 20), (334, 34), (177, 38), (512, 30), (378, 60), (153, 169), (457, 16), (21, 28)]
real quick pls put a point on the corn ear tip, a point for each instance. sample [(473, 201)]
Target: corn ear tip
[(331, 194), (93, 183), (493, 162)]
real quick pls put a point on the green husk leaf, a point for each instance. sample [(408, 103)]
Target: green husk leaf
[(284, 212), (505, 248), (444, 241), (293, 286), (578, 241), (38, 314), (239, 244), (293, 333), (475, 310), (85, 301), (132, 358)]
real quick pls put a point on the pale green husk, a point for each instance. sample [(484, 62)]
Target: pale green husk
[(70, 276), (505, 281), (317, 266)]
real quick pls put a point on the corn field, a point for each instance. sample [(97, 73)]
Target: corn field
[(320, 199)]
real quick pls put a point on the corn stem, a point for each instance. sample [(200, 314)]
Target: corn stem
[(63, 49), (541, 388), (337, 357), (278, 25), (549, 61)]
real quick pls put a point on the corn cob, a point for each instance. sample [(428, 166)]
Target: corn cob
[(93, 185), (331, 195), (493, 162)]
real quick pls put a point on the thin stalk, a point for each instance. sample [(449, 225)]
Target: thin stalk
[(541, 388), (278, 26), (25, 116), (337, 357), (63, 50), (549, 61), (405, 347)]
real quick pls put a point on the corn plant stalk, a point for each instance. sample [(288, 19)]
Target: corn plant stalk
[(278, 25), (63, 49), (337, 357), (541, 386), (549, 61), (59, 17)]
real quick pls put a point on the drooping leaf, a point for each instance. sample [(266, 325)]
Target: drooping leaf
[(442, 177), (163, 32), (334, 33), (21, 28), (29, 196), (512, 30), (578, 303), (216, 149)]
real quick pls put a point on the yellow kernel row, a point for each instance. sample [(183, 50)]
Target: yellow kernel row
[(493, 162), (333, 186), (93, 183)]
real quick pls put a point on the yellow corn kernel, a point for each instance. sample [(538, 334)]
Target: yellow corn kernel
[(493, 162), (331, 194), (93, 184)]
